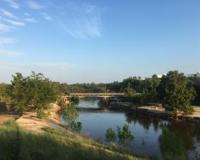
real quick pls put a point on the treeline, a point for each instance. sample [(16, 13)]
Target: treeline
[(144, 90), (35, 92)]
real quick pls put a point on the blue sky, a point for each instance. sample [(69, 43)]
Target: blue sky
[(98, 40)]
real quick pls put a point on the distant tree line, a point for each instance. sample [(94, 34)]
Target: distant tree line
[(174, 90)]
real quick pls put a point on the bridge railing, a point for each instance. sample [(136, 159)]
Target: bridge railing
[(96, 94)]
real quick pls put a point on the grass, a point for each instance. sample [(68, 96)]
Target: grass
[(17, 144)]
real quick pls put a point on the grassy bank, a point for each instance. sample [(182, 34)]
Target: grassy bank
[(18, 144)]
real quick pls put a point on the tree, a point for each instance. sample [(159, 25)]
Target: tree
[(110, 135), (195, 82), (70, 115), (129, 90), (150, 88), (34, 92), (124, 134), (5, 99), (175, 92)]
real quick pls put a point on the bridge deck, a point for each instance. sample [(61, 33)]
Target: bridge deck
[(96, 94)]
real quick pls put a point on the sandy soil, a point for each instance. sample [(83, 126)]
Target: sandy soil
[(29, 121), (6, 117), (195, 114)]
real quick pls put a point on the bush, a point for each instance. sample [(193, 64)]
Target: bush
[(110, 135), (124, 134)]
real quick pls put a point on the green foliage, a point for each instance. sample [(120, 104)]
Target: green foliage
[(175, 92), (74, 99), (171, 146), (129, 90), (5, 99), (124, 134), (32, 93), (86, 87), (150, 89), (110, 135), (70, 115), (195, 82), (76, 126)]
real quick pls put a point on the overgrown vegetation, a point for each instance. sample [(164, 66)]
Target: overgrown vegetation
[(17, 144)]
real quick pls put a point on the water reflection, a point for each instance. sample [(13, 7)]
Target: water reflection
[(88, 103), (152, 137)]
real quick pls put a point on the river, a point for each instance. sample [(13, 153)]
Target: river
[(152, 137)]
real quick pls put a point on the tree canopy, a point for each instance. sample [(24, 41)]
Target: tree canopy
[(175, 92), (32, 92)]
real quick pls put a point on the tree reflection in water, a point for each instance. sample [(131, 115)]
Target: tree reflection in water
[(178, 138)]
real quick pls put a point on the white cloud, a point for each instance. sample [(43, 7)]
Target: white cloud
[(34, 5), (83, 21), (4, 27), (14, 23), (12, 3), (8, 14), (46, 16), (31, 20)]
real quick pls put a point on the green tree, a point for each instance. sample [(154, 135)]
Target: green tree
[(124, 134), (150, 88), (34, 92), (110, 135), (70, 115), (5, 99), (175, 92)]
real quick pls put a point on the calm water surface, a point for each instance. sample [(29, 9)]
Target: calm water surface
[(147, 132)]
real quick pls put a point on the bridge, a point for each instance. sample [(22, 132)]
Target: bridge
[(103, 95)]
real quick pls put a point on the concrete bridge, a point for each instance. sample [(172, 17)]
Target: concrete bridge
[(100, 95)]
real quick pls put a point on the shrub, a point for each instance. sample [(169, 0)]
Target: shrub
[(110, 135), (124, 134)]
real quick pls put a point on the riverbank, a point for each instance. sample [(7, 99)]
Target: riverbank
[(35, 138), (156, 111)]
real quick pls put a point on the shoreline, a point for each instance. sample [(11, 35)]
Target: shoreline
[(155, 111)]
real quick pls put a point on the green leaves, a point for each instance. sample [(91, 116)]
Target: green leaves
[(175, 92), (32, 93), (70, 115), (110, 135), (124, 135)]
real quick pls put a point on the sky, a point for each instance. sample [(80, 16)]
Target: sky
[(77, 41)]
